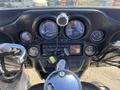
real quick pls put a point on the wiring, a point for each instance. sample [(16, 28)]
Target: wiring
[(101, 58), (104, 53)]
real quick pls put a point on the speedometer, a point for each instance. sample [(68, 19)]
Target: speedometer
[(75, 29), (48, 29)]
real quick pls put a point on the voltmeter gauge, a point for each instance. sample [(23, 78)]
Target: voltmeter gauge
[(90, 50)]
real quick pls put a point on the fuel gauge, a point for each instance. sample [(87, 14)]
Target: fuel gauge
[(26, 36)]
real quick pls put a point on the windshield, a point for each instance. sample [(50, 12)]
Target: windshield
[(56, 3)]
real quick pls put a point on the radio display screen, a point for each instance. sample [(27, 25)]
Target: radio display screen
[(75, 49)]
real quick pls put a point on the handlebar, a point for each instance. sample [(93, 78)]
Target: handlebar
[(7, 47), (12, 58)]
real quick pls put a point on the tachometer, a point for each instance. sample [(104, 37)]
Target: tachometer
[(48, 29), (75, 29)]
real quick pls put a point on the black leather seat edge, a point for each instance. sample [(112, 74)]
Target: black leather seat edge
[(86, 86)]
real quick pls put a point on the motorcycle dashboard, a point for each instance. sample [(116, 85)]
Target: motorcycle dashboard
[(74, 34)]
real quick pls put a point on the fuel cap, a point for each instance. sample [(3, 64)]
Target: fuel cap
[(62, 80)]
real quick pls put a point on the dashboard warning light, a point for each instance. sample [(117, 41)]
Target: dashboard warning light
[(52, 59)]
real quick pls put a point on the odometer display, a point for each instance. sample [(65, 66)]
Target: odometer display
[(75, 29), (48, 29)]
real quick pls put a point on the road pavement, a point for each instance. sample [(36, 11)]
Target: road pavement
[(108, 76)]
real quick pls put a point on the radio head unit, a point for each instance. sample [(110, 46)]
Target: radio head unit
[(52, 49)]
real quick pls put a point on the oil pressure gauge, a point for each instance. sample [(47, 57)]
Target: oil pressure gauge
[(97, 36)]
